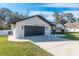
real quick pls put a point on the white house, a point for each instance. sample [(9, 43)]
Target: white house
[(59, 27), (72, 27), (31, 26)]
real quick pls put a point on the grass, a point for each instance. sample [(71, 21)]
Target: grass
[(20, 48), (72, 35)]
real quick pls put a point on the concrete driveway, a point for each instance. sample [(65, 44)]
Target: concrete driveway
[(61, 48), (52, 38), (56, 45)]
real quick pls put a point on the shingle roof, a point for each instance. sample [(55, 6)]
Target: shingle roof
[(55, 23), (42, 18), (61, 23)]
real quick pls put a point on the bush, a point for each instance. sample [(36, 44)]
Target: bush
[(1, 28)]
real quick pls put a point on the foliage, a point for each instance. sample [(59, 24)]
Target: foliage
[(59, 17), (64, 17), (56, 16), (9, 16), (70, 17), (71, 35), (78, 19), (1, 28)]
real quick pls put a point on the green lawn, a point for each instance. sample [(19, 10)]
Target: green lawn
[(20, 48), (72, 35)]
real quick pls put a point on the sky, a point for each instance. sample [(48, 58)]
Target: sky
[(46, 9)]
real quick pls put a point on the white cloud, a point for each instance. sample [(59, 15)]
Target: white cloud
[(70, 5), (47, 15), (39, 12)]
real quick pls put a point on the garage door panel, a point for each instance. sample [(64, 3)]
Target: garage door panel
[(34, 30)]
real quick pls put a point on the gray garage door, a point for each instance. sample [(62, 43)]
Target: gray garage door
[(34, 30)]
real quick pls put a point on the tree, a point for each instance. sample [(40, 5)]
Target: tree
[(69, 17), (56, 16), (27, 14), (74, 19), (78, 19), (10, 15), (59, 17), (3, 11), (63, 21)]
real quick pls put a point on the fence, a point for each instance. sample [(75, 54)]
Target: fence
[(4, 32)]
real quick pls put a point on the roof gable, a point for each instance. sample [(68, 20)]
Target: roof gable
[(42, 18), (56, 23), (60, 25)]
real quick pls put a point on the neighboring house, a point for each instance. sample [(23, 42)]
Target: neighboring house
[(31, 26), (59, 27), (72, 27), (2, 22)]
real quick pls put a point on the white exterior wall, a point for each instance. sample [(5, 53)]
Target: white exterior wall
[(35, 21), (13, 29), (59, 26), (72, 30)]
